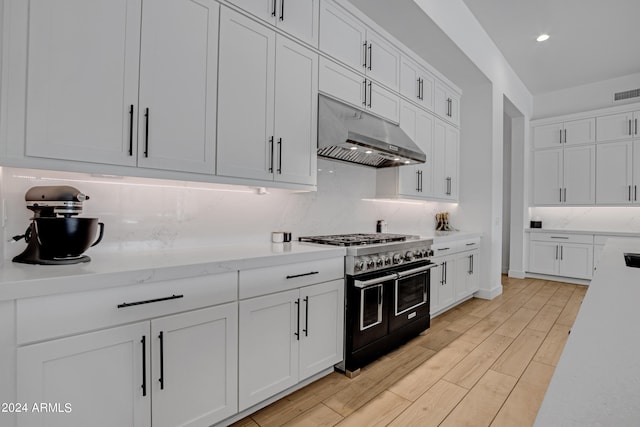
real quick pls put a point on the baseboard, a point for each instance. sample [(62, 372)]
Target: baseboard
[(489, 293), (563, 279), (517, 274)]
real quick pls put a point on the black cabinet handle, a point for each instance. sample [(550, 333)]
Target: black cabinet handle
[(470, 264), (629, 126), (149, 301), (565, 136), (370, 56), (560, 195), (629, 192), (146, 133), (635, 193), (302, 275), (442, 275), (445, 272), (556, 251), (560, 136), (418, 84), (131, 130), (560, 237), (297, 332), (144, 365), (565, 194), (306, 317), (417, 180), (365, 92), (161, 379), (364, 54), (561, 253), (271, 158), (370, 93), (636, 120), (273, 11), (282, 10), (280, 156)]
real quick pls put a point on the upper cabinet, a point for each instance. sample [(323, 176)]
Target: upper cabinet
[(296, 17), (565, 133), (416, 84), (447, 103), (446, 146), (119, 84), (267, 117), (348, 40), (617, 127)]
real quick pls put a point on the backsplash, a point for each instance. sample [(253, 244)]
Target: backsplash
[(589, 218), (144, 213)]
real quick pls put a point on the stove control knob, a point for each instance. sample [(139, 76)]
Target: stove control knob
[(397, 259), (409, 255), (368, 262), (358, 264), (429, 252), (418, 253), (386, 259), (378, 261)]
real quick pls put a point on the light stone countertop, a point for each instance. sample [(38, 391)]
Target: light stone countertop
[(128, 268), (597, 380), (448, 236), (577, 231)]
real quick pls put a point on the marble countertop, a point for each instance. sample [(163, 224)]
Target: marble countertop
[(128, 268), (597, 380), (577, 231), (447, 236)]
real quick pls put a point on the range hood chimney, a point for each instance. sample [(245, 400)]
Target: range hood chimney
[(348, 134)]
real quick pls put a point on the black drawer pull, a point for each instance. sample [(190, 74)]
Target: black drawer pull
[(559, 237), (303, 274), (443, 249), (149, 301)]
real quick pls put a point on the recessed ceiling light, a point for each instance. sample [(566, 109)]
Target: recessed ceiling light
[(368, 152), (542, 37), (353, 148)]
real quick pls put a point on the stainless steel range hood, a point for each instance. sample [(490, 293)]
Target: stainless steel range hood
[(348, 134)]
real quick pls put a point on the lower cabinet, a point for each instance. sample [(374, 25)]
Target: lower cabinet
[(287, 337), (456, 275), (560, 254), (169, 371)]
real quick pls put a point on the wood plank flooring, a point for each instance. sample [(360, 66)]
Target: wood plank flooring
[(483, 363)]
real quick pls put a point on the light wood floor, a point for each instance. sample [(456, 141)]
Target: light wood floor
[(482, 363)]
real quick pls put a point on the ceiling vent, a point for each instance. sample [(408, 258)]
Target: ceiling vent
[(626, 95)]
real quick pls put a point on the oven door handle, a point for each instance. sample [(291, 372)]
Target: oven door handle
[(361, 284)]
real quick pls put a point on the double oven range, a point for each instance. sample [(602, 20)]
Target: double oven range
[(387, 292)]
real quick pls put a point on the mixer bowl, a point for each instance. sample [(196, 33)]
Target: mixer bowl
[(67, 237)]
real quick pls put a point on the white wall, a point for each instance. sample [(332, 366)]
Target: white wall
[(506, 193), (583, 98), (146, 214)]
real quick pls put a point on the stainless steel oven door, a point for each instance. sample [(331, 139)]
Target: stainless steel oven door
[(411, 289), (371, 303)]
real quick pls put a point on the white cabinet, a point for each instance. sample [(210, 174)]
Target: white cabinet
[(348, 40), (561, 254), (615, 183), (288, 336), (572, 132), (109, 84), (269, 82), (416, 84), (413, 181), (447, 103), (298, 18), (564, 176), (445, 161), (350, 87), (467, 273), (615, 127), (442, 283), (176, 370)]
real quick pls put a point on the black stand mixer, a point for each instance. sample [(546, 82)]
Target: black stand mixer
[(56, 236)]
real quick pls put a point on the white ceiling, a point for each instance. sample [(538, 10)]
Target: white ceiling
[(591, 40)]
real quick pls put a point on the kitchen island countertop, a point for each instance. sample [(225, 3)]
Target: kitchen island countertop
[(597, 380)]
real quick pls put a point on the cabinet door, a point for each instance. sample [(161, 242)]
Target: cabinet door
[(446, 103), (409, 176), (322, 327), (467, 278), (194, 367), (383, 61), (543, 257), (614, 127), (636, 170), (424, 140), (614, 163), (82, 80), (446, 291), (342, 36), (576, 260), (300, 19), (383, 102), (178, 83), (245, 97), (579, 175), (269, 346), (434, 286), (580, 132), (296, 113), (547, 177), (445, 161), (101, 376), (546, 136), (473, 278), (451, 162), (341, 83), (416, 84)]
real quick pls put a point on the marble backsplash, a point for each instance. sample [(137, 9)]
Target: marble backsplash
[(141, 214), (597, 218)]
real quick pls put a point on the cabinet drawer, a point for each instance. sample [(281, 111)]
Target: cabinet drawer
[(66, 314), (445, 248), (602, 239), (562, 238), (262, 281), (469, 244)]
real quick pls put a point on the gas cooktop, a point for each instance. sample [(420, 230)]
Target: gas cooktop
[(356, 239)]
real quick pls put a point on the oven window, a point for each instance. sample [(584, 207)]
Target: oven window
[(411, 292), (371, 306)]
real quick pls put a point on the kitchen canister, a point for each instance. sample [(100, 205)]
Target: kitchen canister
[(281, 236)]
